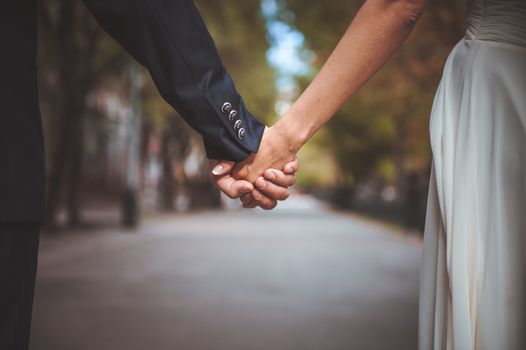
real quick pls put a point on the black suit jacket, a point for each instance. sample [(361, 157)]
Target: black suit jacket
[(168, 37)]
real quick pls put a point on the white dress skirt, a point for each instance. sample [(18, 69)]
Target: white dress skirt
[(473, 277)]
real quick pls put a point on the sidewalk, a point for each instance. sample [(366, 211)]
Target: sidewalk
[(299, 278)]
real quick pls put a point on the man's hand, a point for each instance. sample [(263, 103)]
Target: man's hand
[(223, 179)]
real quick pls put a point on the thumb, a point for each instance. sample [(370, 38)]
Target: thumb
[(221, 167)]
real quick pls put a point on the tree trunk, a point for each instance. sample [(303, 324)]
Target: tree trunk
[(167, 189), (62, 154), (75, 162)]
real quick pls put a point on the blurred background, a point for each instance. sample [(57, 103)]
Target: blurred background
[(141, 251)]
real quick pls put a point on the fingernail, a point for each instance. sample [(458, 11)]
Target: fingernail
[(260, 183), (245, 189), (272, 176), (291, 169), (218, 170)]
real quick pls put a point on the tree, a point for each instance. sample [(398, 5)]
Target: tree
[(239, 32), (75, 55)]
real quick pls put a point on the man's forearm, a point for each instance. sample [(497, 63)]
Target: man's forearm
[(172, 41)]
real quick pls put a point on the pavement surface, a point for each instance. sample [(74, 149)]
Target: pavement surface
[(299, 278)]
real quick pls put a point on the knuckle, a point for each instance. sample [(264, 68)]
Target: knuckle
[(230, 192), (282, 195), (271, 205), (250, 175), (240, 174), (278, 174), (265, 202)]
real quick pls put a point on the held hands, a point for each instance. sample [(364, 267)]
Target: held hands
[(257, 180), (272, 187), (264, 193)]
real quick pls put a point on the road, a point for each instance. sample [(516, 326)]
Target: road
[(301, 278)]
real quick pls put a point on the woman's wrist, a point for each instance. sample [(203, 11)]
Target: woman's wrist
[(293, 131)]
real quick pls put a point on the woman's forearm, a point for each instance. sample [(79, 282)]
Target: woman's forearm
[(379, 28), (377, 31)]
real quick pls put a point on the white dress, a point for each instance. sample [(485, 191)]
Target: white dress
[(473, 277)]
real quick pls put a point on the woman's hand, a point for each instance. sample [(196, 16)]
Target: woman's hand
[(274, 184), (268, 190), (275, 151)]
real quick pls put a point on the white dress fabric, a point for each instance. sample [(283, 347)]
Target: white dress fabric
[(473, 276)]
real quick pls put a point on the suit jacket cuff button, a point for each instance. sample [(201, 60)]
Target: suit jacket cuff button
[(232, 115), (227, 107)]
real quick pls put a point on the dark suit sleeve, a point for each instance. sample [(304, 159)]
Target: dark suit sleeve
[(171, 40)]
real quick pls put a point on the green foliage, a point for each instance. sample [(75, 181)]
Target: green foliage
[(239, 32)]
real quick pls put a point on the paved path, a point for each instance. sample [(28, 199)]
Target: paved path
[(303, 279)]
